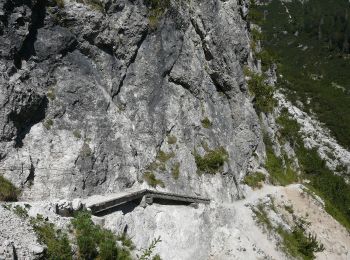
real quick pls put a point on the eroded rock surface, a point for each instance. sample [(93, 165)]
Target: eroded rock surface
[(91, 93)]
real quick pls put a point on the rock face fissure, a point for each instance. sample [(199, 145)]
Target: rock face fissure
[(37, 20), (94, 93)]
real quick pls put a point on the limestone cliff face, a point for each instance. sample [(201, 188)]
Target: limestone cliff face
[(91, 92)]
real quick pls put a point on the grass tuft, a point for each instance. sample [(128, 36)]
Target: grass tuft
[(254, 180), (8, 192), (152, 181), (212, 161), (175, 171)]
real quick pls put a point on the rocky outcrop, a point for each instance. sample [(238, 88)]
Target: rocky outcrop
[(91, 92)]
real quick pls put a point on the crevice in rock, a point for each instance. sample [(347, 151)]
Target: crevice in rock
[(185, 85), (208, 55), (31, 176), (214, 78), (132, 60), (27, 49), (28, 116)]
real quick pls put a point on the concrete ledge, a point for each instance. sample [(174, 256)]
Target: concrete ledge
[(101, 204)]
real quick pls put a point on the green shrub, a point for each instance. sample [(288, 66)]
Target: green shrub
[(59, 3), (164, 157), (264, 101), (331, 188), (156, 10), (8, 192), (206, 123), (95, 242), (57, 242), (279, 174), (299, 244), (20, 211), (85, 150), (256, 34), (212, 161), (147, 252), (152, 181), (51, 94), (175, 171), (172, 139), (289, 128), (48, 124), (94, 4), (77, 134), (126, 240), (254, 180), (266, 58), (255, 15), (261, 217)]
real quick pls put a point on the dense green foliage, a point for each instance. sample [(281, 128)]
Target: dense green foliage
[(57, 242), (95, 242), (212, 161), (254, 180), (8, 192), (206, 123), (297, 242), (280, 170), (312, 53), (331, 188), (263, 93)]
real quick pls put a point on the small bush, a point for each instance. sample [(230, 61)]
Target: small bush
[(147, 252), (264, 101), (57, 242), (266, 58), (85, 150), (156, 10), (254, 14), (299, 244), (51, 94), (126, 240), (212, 161), (289, 208), (256, 34), (206, 123), (8, 192), (95, 242), (261, 217), (172, 139), (21, 212), (59, 3), (254, 180), (164, 157), (48, 124), (289, 130), (152, 181), (175, 171), (279, 174), (77, 134)]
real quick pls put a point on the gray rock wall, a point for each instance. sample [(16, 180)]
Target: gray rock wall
[(90, 94)]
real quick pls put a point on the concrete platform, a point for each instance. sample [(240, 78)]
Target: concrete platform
[(101, 205)]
